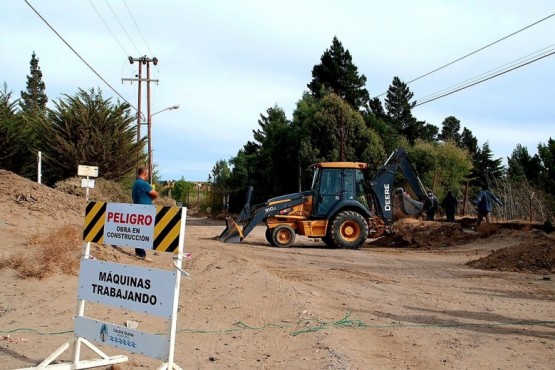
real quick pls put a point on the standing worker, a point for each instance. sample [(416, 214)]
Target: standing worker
[(484, 203), (432, 206), (449, 205), (142, 193)]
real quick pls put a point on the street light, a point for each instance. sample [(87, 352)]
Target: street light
[(149, 123)]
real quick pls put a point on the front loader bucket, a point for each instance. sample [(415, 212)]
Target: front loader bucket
[(232, 232), (410, 206)]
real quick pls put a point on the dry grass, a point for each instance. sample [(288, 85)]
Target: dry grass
[(56, 252)]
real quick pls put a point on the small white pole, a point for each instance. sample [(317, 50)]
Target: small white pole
[(39, 174), (87, 191)]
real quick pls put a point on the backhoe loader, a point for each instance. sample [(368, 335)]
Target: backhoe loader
[(342, 207)]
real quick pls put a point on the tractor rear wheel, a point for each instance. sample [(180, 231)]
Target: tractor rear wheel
[(349, 230), (283, 236)]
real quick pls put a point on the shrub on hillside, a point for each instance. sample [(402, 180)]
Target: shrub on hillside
[(104, 190)]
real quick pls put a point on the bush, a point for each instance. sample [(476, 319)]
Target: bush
[(104, 190)]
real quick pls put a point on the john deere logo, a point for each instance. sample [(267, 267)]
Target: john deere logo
[(103, 333)]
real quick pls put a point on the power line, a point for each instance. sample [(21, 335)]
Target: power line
[(487, 78), (474, 52), (491, 71), (109, 29), (138, 29), (122, 27), (80, 57)]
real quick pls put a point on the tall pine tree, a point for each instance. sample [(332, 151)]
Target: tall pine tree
[(546, 152), (33, 112), (450, 130), (399, 114), (522, 166), (34, 98), (486, 168), (336, 73)]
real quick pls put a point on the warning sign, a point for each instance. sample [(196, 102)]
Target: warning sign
[(129, 225), (133, 287), (134, 225)]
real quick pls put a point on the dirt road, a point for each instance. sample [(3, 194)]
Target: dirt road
[(250, 306)]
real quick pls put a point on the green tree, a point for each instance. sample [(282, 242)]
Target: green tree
[(399, 106), (442, 166), (33, 113), (88, 129), (450, 130), (181, 190), (329, 127), (219, 178), (12, 145), (337, 73), (469, 142), (376, 108), (34, 98), (486, 169), (275, 153), (399, 114), (546, 153), (522, 166)]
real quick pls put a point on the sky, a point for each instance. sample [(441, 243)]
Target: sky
[(226, 62)]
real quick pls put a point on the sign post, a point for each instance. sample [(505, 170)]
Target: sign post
[(130, 287), (88, 171)]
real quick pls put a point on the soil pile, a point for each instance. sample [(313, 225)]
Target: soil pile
[(535, 254), (411, 233), (28, 198)]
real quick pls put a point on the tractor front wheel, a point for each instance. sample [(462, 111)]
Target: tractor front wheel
[(283, 236)]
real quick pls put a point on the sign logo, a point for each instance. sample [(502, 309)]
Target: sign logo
[(387, 197), (103, 333)]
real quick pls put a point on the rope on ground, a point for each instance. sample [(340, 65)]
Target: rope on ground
[(345, 322)]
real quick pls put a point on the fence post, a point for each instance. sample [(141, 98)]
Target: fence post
[(531, 209)]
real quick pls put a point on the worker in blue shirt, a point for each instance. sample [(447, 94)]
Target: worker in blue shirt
[(142, 193), (484, 204)]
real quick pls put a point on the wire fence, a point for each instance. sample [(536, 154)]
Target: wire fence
[(520, 201)]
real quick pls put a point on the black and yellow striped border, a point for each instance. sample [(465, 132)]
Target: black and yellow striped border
[(167, 226)]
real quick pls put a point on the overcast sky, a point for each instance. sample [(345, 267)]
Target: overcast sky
[(226, 62)]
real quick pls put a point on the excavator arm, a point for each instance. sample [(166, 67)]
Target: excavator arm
[(235, 232), (382, 186)]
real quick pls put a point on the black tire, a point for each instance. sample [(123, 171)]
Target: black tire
[(283, 236), (328, 242), (349, 230), (268, 235)]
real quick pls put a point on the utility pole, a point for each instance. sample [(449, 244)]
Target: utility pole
[(146, 61), (342, 138), (149, 120)]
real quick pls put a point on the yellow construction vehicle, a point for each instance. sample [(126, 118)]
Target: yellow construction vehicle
[(342, 207)]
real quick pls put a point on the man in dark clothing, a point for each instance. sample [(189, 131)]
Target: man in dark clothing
[(449, 205), (431, 206), (142, 193), (484, 204)]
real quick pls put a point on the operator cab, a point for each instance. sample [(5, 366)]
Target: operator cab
[(337, 181)]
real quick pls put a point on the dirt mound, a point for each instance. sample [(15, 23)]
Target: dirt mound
[(410, 233), (536, 254), (26, 196)]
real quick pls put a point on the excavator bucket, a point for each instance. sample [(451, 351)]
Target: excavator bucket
[(232, 232), (410, 206)]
